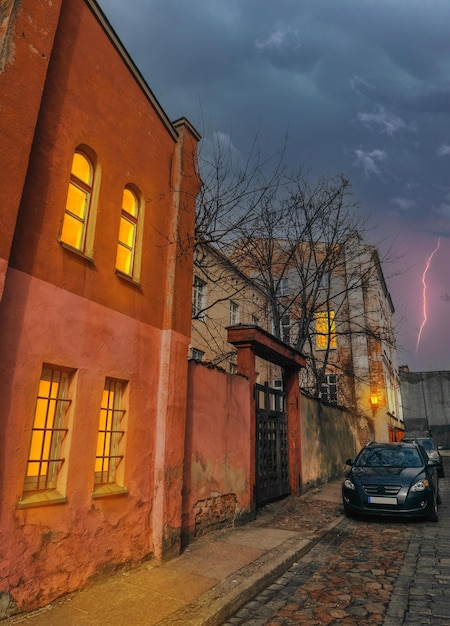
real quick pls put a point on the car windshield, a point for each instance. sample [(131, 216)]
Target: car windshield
[(389, 457), (426, 443)]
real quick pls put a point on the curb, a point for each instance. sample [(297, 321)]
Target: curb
[(222, 601)]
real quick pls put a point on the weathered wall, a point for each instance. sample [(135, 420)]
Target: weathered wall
[(216, 490), (49, 550), (26, 42), (426, 403), (330, 435)]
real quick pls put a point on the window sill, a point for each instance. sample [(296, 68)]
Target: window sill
[(128, 278), (45, 498), (76, 252), (104, 491)]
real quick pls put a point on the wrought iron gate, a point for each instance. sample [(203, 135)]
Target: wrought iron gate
[(272, 463)]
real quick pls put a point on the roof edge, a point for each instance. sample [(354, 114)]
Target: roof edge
[(115, 40)]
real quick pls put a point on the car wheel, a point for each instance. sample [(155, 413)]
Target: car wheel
[(434, 517), (347, 512)]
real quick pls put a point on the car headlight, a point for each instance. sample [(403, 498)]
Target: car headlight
[(349, 484), (421, 485), (433, 454)]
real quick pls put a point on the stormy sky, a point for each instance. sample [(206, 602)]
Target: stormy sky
[(359, 87)]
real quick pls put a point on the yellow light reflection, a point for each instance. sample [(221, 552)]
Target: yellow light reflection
[(129, 203), (81, 168), (44, 420), (326, 330)]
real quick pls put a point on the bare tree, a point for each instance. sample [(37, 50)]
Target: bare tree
[(303, 243), (305, 248), (233, 187)]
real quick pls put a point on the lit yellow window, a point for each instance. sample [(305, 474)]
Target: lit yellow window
[(78, 202), (110, 434), (326, 330), (126, 247), (49, 429)]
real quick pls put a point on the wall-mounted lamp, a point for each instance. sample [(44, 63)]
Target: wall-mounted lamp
[(374, 401)]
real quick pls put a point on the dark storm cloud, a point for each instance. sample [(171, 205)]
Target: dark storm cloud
[(361, 87)]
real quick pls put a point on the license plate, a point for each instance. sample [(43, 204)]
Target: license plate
[(381, 500)]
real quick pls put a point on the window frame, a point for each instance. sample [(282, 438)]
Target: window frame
[(325, 323), (90, 189), (285, 329), (282, 289), (108, 480), (137, 225), (235, 313), (198, 298), (329, 389), (197, 355), (49, 436)]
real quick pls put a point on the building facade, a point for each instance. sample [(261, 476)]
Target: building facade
[(344, 311), (98, 187), (374, 357), (224, 296), (426, 403)]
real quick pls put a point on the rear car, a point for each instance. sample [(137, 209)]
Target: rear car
[(430, 448), (392, 479)]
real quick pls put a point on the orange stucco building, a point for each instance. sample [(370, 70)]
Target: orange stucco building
[(98, 185)]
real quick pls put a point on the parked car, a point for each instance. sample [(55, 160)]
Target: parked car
[(431, 450), (396, 479)]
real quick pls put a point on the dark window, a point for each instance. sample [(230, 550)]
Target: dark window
[(328, 389)]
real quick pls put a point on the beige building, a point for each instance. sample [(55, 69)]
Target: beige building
[(370, 347), (350, 342), (353, 334), (224, 296)]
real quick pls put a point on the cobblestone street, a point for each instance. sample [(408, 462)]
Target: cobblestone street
[(390, 573)]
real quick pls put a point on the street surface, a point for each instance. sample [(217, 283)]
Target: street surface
[(391, 573)]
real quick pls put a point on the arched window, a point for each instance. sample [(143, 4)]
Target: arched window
[(126, 247), (78, 205)]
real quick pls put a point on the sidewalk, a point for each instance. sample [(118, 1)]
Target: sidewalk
[(213, 577)]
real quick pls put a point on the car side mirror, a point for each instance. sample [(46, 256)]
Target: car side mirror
[(349, 462), (432, 463)]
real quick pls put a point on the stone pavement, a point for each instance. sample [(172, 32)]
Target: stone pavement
[(347, 579), (422, 591), (364, 571), (213, 577)]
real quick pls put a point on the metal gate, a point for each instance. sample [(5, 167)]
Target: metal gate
[(272, 463)]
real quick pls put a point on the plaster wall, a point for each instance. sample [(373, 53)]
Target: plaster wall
[(48, 550), (330, 436), (26, 40), (218, 441), (426, 403)]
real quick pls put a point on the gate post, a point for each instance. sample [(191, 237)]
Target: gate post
[(246, 366), (294, 429)]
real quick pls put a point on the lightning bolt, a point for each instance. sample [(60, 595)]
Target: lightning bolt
[(424, 292)]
